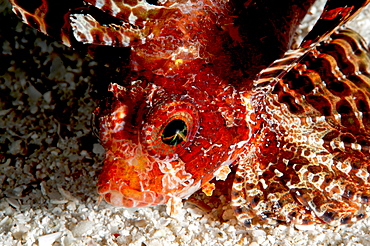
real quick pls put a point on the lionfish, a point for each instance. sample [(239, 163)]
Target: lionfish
[(212, 85)]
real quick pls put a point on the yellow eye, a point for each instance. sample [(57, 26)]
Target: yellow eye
[(175, 132)]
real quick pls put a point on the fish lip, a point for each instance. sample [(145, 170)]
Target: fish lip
[(133, 198)]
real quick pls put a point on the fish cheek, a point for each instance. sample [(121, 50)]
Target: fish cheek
[(208, 149)]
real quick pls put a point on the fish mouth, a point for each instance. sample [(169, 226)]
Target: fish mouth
[(129, 198)]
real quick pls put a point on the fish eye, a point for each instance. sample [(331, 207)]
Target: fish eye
[(175, 132), (169, 129)]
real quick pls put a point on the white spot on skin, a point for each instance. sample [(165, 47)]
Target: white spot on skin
[(99, 3), (278, 173), (362, 174), (132, 18), (222, 172), (264, 185), (115, 9), (344, 167), (337, 117), (359, 115), (309, 120), (337, 144), (356, 146), (320, 119)]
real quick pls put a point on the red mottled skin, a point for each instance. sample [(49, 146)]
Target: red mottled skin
[(140, 166), (141, 170)]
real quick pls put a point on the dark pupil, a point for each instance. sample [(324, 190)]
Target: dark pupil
[(154, 2), (175, 132)]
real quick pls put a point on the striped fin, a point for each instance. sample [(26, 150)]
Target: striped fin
[(135, 12), (48, 16), (332, 17), (335, 14), (309, 161), (277, 70), (88, 30), (136, 20)]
